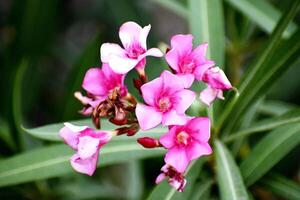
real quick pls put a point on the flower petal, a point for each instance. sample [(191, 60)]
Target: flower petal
[(199, 53), (185, 98), (130, 32), (173, 118), (167, 140), (85, 166), (216, 78), (177, 158), (171, 82), (209, 94), (187, 79), (199, 128), (143, 36), (108, 49), (201, 69), (122, 64), (87, 146), (147, 116), (182, 43), (94, 82), (160, 178), (195, 150), (69, 137), (151, 90)]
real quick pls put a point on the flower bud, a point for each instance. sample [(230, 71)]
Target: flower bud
[(148, 142)]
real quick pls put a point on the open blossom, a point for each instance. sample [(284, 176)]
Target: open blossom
[(186, 61), (187, 142), (133, 38), (176, 179), (166, 99), (87, 142), (99, 84), (217, 82)]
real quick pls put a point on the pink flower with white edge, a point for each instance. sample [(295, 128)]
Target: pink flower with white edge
[(186, 61), (99, 84), (176, 179), (217, 82), (166, 99), (133, 38), (87, 142), (187, 142)]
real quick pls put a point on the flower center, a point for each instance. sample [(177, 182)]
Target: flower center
[(183, 138), (187, 66), (164, 104), (135, 51)]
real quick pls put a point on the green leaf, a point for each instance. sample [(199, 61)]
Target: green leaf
[(282, 186), (53, 161), (276, 58), (267, 124), (268, 151), (201, 190), (275, 108), (263, 13), (174, 6), (229, 178), (51, 132), (5, 134), (206, 23), (164, 191)]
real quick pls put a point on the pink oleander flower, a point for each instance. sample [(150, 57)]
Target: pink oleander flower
[(133, 38), (176, 179), (99, 84), (217, 82), (166, 99), (87, 142), (186, 61), (187, 142)]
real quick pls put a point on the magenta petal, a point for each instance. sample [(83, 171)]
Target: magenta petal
[(147, 116), (87, 146), (182, 43), (84, 166), (177, 158), (93, 82), (199, 53), (173, 58), (202, 68), (171, 81), (195, 150), (160, 178), (173, 118), (151, 90), (70, 137), (208, 95), (108, 49), (185, 98), (129, 33), (143, 36), (216, 78), (168, 139), (187, 79), (199, 128)]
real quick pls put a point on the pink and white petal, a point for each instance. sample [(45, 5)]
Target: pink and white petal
[(83, 99), (168, 139), (216, 78), (87, 146), (75, 128), (208, 95), (199, 53), (177, 158), (201, 69), (147, 116), (69, 137), (199, 128), (143, 36), (173, 118), (94, 82), (182, 43), (129, 33), (84, 166), (122, 64), (187, 79), (195, 150), (160, 178), (171, 82), (108, 49), (151, 90), (173, 58), (184, 99)]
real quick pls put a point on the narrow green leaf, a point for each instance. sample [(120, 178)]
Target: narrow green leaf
[(201, 190), (53, 161), (174, 6), (267, 124), (164, 191), (275, 108), (5, 134), (229, 178), (263, 13), (51, 132), (282, 186), (207, 25), (267, 152)]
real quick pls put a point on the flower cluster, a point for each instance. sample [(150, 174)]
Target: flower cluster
[(166, 100)]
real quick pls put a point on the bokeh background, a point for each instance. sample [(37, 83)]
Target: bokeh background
[(47, 45)]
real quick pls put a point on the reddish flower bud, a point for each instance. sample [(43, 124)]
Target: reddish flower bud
[(148, 142)]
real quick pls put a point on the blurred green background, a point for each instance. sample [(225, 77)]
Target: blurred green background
[(46, 47)]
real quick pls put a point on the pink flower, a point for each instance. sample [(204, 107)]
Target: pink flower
[(186, 143), (87, 142), (176, 179), (217, 82), (99, 84), (133, 38), (186, 61), (167, 100)]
